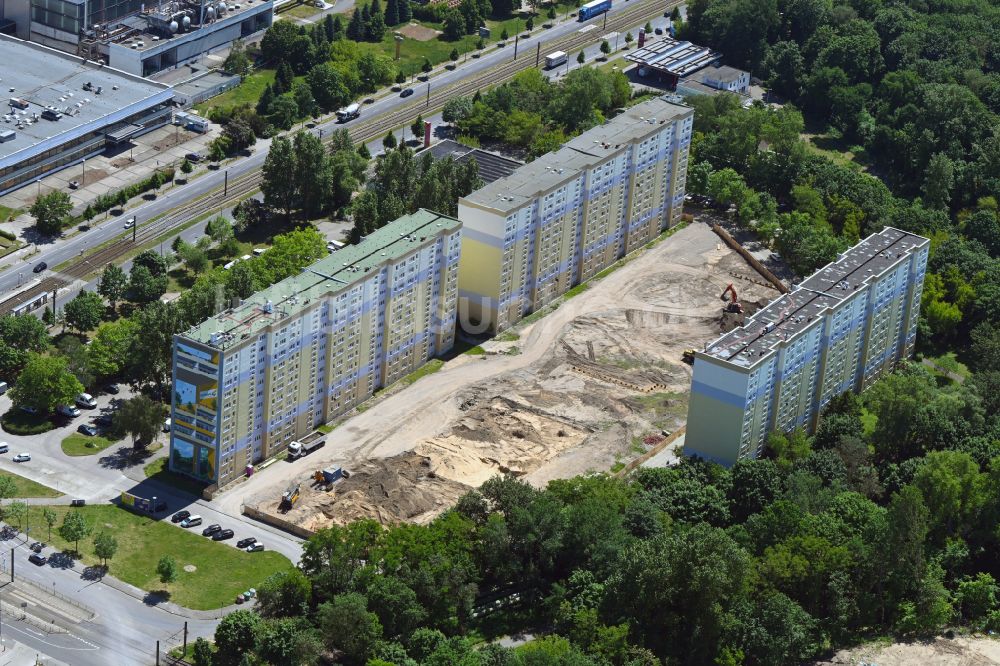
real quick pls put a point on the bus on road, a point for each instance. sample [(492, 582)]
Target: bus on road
[(592, 9)]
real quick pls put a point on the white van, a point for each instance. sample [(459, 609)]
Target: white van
[(191, 521), (3, 387)]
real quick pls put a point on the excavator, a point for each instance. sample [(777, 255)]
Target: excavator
[(734, 305)]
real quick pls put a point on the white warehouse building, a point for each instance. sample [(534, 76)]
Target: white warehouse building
[(839, 330)]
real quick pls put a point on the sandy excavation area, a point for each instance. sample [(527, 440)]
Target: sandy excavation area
[(958, 651), (588, 387)]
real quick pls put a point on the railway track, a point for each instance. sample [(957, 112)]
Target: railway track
[(364, 131)]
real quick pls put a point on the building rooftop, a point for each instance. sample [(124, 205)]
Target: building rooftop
[(723, 73), (48, 79), (578, 154), (152, 27), (328, 275), (791, 313), (491, 166), (674, 57)]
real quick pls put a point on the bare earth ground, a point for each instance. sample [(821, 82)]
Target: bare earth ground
[(586, 388), (419, 32), (959, 651)]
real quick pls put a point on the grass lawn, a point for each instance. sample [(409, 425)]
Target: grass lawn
[(79, 444), (949, 362), (248, 92), (221, 571), (6, 213), (28, 488), (428, 368), (300, 10), (158, 470)]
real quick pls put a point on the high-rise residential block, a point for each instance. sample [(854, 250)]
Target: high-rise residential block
[(839, 330), (252, 379), (561, 219)]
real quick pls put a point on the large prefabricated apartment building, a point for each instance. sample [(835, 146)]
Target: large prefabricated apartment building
[(252, 379), (561, 219), (839, 330)]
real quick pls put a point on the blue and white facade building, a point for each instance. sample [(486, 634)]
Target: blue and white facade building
[(553, 223), (839, 330), (259, 375)]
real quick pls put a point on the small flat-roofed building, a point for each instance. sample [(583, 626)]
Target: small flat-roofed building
[(63, 109), (491, 166), (670, 60), (839, 330)]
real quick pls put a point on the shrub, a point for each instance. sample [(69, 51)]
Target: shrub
[(18, 422)]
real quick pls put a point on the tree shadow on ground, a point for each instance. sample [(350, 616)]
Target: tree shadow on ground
[(93, 573), (156, 597), (63, 560)]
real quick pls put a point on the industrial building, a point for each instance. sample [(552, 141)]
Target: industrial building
[(553, 223), (252, 379), (62, 109), (140, 37), (839, 330)]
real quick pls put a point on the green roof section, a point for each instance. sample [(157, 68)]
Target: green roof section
[(329, 275)]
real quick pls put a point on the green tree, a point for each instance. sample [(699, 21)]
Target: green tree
[(389, 141), (143, 286), (50, 518), (149, 359), (605, 47), (235, 636), (166, 569), (16, 512), (417, 127), (237, 62), (186, 167), (140, 417), (426, 67), (284, 594), (279, 186), (45, 383), (203, 655), (328, 87), (629, 38), (85, 311), (112, 284), (50, 210), (953, 489), (939, 178), (74, 528), (348, 626), (105, 546), (581, 58)]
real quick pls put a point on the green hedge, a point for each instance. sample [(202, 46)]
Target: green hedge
[(18, 422), (8, 235), (108, 201)]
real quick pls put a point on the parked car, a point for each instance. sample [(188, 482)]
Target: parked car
[(222, 535), (210, 530), (22, 457), (87, 429), (68, 411), (37, 547), (659, 31), (180, 515), (166, 425), (86, 400), (255, 547), (112, 389), (40, 266), (406, 92), (193, 157), (4, 447), (192, 521), (240, 599), (104, 420), (37, 559), (243, 543)]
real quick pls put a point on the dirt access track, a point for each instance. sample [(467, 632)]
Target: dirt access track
[(587, 387)]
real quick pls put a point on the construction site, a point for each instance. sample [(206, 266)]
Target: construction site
[(587, 386)]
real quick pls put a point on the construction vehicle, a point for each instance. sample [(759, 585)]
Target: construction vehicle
[(289, 497), (306, 445), (688, 356), (327, 477), (734, 305)]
